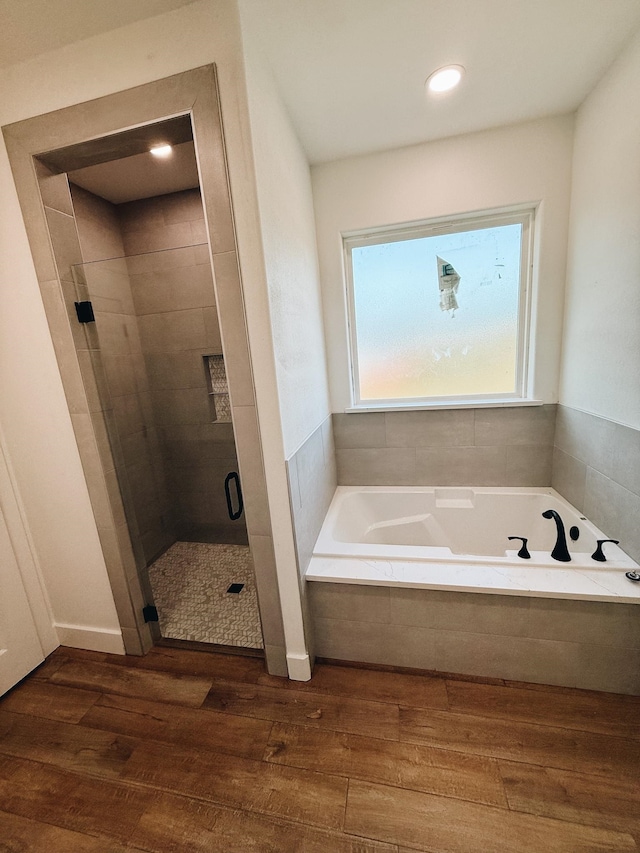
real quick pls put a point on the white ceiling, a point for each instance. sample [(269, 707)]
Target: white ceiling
[(141, 175), (31, 27), (352, 72)]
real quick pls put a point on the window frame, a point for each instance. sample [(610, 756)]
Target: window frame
[(523, 214)]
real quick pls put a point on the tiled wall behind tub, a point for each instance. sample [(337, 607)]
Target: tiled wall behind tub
[(447, 447), (312, 483), (122, 367), (596, 467), (172, 286), (311, 472)]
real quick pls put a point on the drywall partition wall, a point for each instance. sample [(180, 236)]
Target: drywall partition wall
[(197, 90), (601, 350), (84, 382), (20, 647), (287, 228), (24, 554), (61, 525), (525, 163)]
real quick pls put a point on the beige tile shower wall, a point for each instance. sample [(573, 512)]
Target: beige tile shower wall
[(173, 295), (596, 467), (456, 447), (120, 364), (593, 645)]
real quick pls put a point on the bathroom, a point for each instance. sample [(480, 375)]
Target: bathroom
[(583, 440)]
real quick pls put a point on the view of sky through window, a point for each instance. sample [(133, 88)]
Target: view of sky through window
[(408, 345)]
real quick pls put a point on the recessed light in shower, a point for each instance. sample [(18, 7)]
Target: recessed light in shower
[(163, 150), (445, 79)]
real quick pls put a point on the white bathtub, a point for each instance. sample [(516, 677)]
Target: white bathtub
[(457, 538)]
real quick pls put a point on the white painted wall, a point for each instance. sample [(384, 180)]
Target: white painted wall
[(22, 557), (601, 355), (291, 260), (521, 163), (39, 438)]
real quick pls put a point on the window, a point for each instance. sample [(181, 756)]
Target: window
[(438, 311)]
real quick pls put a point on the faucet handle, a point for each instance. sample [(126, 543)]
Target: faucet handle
[(598, 554), (523, 552)]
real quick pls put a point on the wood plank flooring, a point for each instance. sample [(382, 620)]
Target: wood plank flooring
[(184, 751)]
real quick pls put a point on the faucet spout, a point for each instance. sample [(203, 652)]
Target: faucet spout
[(560, 551)]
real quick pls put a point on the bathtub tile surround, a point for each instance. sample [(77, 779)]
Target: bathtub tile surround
[(485, 613), (449, 447), (592, 645), (377, 466), (311, 475), (457, 465), (377, 598), (528, 464), (359, 604), (312, 483), (440, 428), (596, 466), (617, 509), (592, 462), (519, 425)]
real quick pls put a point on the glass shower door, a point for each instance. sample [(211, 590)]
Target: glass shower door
[(160, 370)]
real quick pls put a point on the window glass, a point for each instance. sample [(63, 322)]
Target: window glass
[(438, 315)]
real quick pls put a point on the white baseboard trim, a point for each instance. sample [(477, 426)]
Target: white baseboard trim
[(94, 639), (299, 667)]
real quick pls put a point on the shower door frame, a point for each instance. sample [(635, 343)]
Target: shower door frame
[(193, 93)]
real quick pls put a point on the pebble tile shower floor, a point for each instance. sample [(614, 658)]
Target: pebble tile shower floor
[(190, 582)]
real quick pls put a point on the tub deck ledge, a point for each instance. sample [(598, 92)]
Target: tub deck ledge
[(535, 581)]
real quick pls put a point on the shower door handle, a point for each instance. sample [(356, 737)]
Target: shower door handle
[(233, 476)]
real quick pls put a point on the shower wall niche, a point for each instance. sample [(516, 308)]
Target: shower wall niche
[(147, 272)]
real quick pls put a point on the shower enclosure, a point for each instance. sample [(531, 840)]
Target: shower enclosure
[(47, 153), (157, 356)]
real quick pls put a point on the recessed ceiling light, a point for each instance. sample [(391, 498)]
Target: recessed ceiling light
[(161, 150), (445, 79)]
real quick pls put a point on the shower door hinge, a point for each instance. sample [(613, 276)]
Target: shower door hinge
[(84, 310), (150, 613)]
